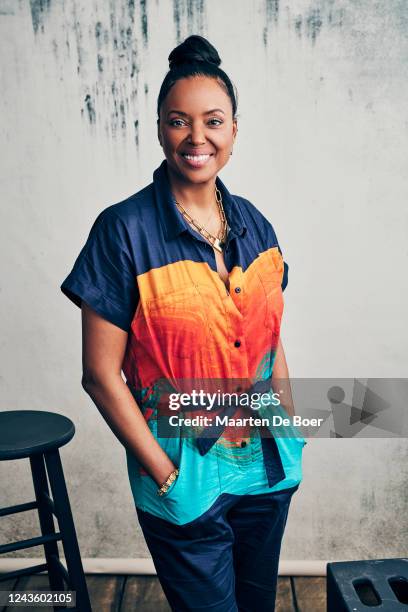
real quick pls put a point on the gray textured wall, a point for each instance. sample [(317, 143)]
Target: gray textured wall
[(322, 150)]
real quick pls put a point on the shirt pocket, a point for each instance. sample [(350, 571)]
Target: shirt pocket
[(270, 273), (176, 322)]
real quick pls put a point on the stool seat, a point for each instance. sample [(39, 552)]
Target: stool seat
[(27, 432)]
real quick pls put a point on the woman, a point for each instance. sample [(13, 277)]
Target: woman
[(183, 282)]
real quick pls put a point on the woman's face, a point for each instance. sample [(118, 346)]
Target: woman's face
[(196, 128)]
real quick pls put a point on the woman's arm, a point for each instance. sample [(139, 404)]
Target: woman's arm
[(103, 349), (280, 380)]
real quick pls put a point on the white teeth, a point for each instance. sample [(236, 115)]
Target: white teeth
[(196, 157)]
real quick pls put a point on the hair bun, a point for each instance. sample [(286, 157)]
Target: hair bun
[(194, 49)]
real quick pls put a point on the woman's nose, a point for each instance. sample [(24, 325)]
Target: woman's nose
[(197, 135)]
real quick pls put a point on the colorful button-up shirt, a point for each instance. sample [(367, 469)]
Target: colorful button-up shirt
[(144, 269)]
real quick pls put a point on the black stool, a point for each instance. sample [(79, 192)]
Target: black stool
[(380, 584), (38, 436)]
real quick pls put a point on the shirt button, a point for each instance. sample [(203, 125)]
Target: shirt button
[(237, 289), (237, 343), (243, 444)]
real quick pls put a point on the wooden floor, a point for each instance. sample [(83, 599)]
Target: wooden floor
[(112, 593)]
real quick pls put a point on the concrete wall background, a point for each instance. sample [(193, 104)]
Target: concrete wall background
[(321, 149)]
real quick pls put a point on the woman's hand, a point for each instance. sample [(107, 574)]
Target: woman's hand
[(103, 350)]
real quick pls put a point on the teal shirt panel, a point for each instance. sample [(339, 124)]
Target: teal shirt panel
[(202, 479)]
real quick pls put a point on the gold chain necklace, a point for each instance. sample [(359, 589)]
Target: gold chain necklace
[(218, 242)]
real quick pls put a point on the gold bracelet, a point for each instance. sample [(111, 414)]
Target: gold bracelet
[(166, 485)]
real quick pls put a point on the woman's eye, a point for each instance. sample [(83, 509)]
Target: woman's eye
[(179, 122), (176, 122)]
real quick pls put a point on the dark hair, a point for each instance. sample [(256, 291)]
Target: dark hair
[(195, 57)]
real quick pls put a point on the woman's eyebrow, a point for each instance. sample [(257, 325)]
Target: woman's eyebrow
[(213, 110)]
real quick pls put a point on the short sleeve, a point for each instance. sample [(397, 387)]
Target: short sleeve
[(272, 241), (104, 275), (285, 277)]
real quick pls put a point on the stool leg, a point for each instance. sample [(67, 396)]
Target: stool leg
[(46, 521), (67, 529)]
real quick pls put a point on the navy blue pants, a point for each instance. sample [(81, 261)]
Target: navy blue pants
[(227, 559)]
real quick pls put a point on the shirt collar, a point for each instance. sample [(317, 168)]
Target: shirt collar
[(172, 220)]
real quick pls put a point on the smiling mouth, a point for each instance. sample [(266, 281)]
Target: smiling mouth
[(196, 161)]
